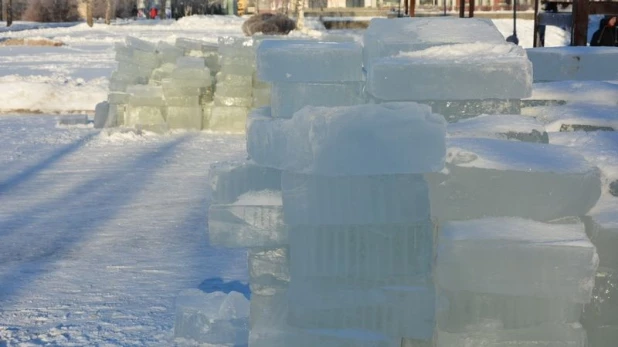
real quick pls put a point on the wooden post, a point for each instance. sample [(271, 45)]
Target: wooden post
[(470, 8), (405, 7), (412, 7), (462, 8), (581, 10)]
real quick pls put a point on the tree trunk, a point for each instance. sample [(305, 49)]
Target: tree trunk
[(162, 9), (300, 14), (89, 13), (108, 11), (9, 13)]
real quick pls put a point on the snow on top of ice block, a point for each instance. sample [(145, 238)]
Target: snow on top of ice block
[(217, 305), (575, 50), (515, 156), (145, 90), (140, 44), (516, 230), (450, 30), (260, 198), (493, 124), (477, 51), (594, 92), (555, 117), (605, 213)]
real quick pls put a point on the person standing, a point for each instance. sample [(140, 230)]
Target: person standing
[(153, 13), (606, 34)]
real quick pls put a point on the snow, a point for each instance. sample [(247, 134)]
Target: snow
[(260, 198), (555, 117), (101, 230), (596, 92)]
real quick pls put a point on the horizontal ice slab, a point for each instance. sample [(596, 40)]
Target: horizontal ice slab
[(371, 139), (287, 98), (575, 117), (228, 119), (500, 178), (453, 72), (309, 61), (505, 127), (269, 270), (602, 228), (184, 117), (229, 180), (363, 255), (461, 311), (596, 92), (574, 63), (214, 318), (356, 200), (546, 335), (319, 337), (387, 37), (519, 257), (392, 311)]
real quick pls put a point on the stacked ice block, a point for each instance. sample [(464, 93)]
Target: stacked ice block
[(146, 108), (514, 265), (468, 72), (136, 60), (246, 212), (355, 201)]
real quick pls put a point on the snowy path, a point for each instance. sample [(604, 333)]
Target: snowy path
[(99, 233)]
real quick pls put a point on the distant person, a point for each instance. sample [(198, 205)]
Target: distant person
[(153, 13), (606, 34), (134, 12)]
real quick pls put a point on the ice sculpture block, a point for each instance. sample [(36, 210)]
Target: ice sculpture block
[(575, 117), (269, 312), (180, 117), (309, 61), (214, 318), (487, 177), (574, 63), (453, 72), (229, 180), (287, 98), (145, 95), (190, 62), (229, 119), (168, 53), (183, 101), (148, 60), (144, 115), (602, 228), (139, 44), (546, 335), (228, 79), (176, 88), (192, 77), (505, 127), (363, 255), (514, 256), (603, 308), (158, 74), (226, 90), (392, 311), (387, 37), (356, 200), (605, 336), (101, 113), (462, 311), (188, 45), (269, 270), (320, 337), (242, 101), (374, 139), (254, 220)]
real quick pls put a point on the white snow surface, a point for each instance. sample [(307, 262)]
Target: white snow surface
[(594, 92), (260, 198), (101, 230)]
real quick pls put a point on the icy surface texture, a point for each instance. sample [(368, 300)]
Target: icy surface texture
[(605, 336), (320, 337), (574, 63), (144, 115), (453, 72), (392, 311), (505, 127), (309, 61), (603, 308), (602, 228), (228, 119), (363, 255), (388, 37), (597, 92), (184, 117), (547, 335), (269, 312), (269, 270), (168, 53), (462, 311), (140, 45), (390, 138), (101, 115), (215, 318), (288, 98), (487, 177), (356, 200), (230, 180), (455, 110), (145, 95), (576, 116), (513, 256), (118, 98)]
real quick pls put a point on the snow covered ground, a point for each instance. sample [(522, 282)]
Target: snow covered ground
[(99, 231)]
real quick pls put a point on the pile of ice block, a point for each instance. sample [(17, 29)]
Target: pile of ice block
[(466, 71)]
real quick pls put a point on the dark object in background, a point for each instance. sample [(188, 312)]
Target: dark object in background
[(613, 188), (268, 24)]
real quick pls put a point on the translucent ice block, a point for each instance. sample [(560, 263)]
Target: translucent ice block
[(116, 114), (388, 37), (546, 335), (190, 62), (309, 61), (506, 127), (575, 117), (363, 255), (179, 117), (146, 59), (392, 311), (229, 45), (227, 90), (287, 98), (602, 228), (118, 98), (372, 139), (605, 336), (269, 270), (188, 45), (269, 311), (123, 53), (254, 220), (176, 88), (261, 97), (206, 112), (131, 70), (455, 110), (356, 200), (101, 113), (453, 72), (487, 177), (233, 79), (237, 69), (168, 53), (245, 102), (214, 318), (513, 256), (229, 180), (603, 308), (462, 311), (183, 101), (139, 44), (228, 119), (319, 337), (573, 63), (199, 77), (144, 115)]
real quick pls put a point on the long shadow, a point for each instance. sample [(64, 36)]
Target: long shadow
[(52, 242), (13, 182)]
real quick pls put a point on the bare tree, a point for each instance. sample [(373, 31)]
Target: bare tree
[(300, 14), (9, 13), (108, 11), (162, 9), (89, 19)]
